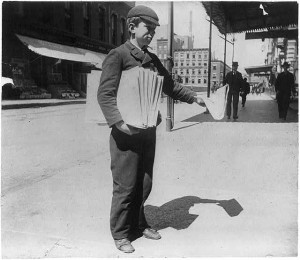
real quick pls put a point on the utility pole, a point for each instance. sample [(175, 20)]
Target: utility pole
[(224, 69), (170, 101), (209, 51)]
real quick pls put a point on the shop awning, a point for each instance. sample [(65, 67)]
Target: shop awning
[(59, 51), (250, 16), (259, 69)]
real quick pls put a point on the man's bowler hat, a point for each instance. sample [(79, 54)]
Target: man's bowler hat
[(235, 64), (145, 13), (286, 64)]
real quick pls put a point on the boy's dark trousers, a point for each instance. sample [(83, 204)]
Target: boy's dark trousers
[(132, 159), (233, 97)]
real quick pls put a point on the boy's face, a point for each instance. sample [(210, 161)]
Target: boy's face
[(144, 33)]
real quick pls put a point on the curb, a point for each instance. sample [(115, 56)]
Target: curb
[(40, 104)]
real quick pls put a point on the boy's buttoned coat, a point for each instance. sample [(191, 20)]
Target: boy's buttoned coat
[(132, 156), (126, 57)]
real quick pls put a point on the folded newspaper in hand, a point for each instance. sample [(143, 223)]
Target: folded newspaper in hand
[(216, 103), (138, 95)]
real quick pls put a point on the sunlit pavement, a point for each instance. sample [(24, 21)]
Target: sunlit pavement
[(56, 184)]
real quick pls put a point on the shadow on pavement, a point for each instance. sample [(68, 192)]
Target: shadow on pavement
[(255, 111), (176, 214)]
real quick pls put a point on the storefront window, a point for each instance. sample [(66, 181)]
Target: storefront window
[(114, 29), (101, 13), (86, 9), (68, 16), (123, 30)]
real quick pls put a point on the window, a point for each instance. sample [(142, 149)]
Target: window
[(181, 55), (187, 55), (204, 81), (176, 64), (181, 72), (187, 64), (193, 56), (181, 63), (199, 56), (193, 72), (205, 56), (123, 30), (214, 75), (205, 64), (199, 81), (199, 71), (101, 15), (204, 71), (86, 13), (193, 63), (187, 71), (199, 64), (214, 67), (176, 55), (193, 81), (114, 29), (186, 80), (68, 16)]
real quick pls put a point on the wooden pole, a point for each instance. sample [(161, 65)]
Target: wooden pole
[(224, 69), (170, 101), (209, 52)]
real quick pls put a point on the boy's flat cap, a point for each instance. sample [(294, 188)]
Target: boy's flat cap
[(145, 13)]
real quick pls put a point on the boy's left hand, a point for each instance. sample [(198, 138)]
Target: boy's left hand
[(199, 101)]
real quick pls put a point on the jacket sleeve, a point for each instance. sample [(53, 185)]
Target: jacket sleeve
[(107, 91), (174, 89)]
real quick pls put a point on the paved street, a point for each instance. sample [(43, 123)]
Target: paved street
[(56, 184)]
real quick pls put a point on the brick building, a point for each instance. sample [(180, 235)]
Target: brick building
[(55, 45)]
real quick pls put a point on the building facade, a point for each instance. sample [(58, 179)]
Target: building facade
[(51, 46), (191, 67)]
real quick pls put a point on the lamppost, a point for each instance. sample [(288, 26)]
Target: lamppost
[(233, 40)]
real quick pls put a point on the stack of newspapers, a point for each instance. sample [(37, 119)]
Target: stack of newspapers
[(138, 97)]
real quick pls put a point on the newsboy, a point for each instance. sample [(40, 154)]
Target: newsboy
[(132, 150)]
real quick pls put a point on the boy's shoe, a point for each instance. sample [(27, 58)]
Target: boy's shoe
[(151, 234), (124, 245)]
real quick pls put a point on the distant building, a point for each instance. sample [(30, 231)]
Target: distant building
[(159, 44), (191, 66)]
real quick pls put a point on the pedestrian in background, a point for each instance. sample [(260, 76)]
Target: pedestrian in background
[(132, 150), (235, 81), (285, 87), (245, 91)]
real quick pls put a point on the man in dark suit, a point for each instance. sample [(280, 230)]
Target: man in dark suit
[(284, 87), (235, 82)]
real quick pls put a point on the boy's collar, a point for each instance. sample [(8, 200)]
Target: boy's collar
[(138, 53)]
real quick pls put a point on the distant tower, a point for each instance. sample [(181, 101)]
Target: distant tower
[(191, 27)]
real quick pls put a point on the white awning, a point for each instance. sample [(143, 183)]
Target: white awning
[(59, 51)]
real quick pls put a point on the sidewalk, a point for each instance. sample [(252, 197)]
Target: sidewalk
[(60, 208), (27, 103)]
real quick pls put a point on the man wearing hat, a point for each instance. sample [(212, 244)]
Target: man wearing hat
[(132, 150), (284, 85), (235, 82)]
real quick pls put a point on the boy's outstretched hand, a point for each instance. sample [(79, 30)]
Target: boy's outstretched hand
[(199, 101)]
